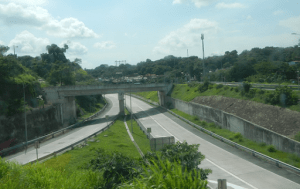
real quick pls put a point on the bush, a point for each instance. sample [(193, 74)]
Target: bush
[(282, 96), (188, 155), (236, 89), (246, 86), (202, 88), (260, 91), (167, 174), (297, 136), (271, 149), (226, 88)]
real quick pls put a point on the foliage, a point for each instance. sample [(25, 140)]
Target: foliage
[(297, 136), (271, 149), (219, 86), (166, 174), (188, 155), (283, 96), (204, 87), (116, 168), (246, 86)]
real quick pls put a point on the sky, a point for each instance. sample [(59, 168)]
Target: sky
[(102, 32)]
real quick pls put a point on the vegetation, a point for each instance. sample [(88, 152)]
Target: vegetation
[(282, 96), (152, 95), (271, 151)]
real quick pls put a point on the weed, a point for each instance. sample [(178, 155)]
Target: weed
[(219, 86), (262, 144), (271, 149)]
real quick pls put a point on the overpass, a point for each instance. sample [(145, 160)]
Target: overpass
[(63, 98)]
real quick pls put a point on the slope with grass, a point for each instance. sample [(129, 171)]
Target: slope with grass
[(151, 95)]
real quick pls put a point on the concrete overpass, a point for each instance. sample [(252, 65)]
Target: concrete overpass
[(64, 97)]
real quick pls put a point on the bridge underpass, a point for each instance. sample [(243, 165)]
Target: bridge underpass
[(64, 97)]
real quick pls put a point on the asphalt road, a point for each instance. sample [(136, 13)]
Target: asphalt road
[(239, 168), (55, 144)]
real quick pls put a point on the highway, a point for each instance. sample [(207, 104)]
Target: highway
[(239, 168), (71, 137)]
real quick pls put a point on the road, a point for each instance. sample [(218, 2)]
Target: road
[(239, 168), (71, 137)]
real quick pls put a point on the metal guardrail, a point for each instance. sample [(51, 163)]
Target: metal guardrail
[(253, 152), (53, 133), (74, 144)]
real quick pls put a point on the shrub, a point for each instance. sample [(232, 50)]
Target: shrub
[(260, 91), (236, 89), (202, 88), (271, 149), (226, 88), (297, 136), (262, 144), (231, 88), (219, 86), (246, 86), (167, 174), (282, 96)]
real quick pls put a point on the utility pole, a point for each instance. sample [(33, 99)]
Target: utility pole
[(202, 37), (131, 111)]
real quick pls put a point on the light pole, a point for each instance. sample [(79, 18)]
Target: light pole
[(209, 75), (131, 111), (202, 37), (25, 117), (298, 79), (14, 49)]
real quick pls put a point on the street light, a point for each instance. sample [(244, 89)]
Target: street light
[(14, 49), (25, 117), (298, 79), (202, 37)]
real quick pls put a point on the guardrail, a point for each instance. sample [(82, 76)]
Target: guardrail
[(253, 152), (76, 143), (51, 134)]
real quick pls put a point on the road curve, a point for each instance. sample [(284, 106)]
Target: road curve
[(239, 168), (71, 137)]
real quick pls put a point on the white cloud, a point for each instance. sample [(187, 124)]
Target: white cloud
[(229, 5), (75, 48), (187, 36), (16, 14), (278, 12), (28, 43), (69, 28), (198, 3), (13, 14), (105, 45), (293, 23), (27, 2)]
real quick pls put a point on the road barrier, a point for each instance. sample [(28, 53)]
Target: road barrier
[(51, 135), (238, 146)]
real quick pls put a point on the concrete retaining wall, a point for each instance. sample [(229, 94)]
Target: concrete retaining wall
[(236, 124)]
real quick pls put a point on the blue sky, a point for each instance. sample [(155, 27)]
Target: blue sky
[(101, 32)]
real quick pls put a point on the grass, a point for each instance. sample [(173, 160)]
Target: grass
[(288, 158), (139, 137), (98, 107), (69, 169), (151, 95)]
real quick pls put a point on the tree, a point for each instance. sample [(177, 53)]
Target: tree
[(3, 50), (61, 73)]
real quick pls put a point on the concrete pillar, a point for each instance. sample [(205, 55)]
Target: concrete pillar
[(69, 110), (162, 98), (121, 103)]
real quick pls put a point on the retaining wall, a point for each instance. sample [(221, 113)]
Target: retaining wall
[(236, 124)]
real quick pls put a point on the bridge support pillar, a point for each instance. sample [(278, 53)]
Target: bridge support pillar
[(68, 109), (121, 103), (162, 98)]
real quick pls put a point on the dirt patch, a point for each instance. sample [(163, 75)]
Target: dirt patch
[(277, 119)]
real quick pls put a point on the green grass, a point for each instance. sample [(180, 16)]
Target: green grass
[(69, 169), (139, 137), (288, 158), (98, 107), (151, 95)]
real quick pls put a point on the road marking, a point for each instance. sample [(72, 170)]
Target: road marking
[(206, 158)]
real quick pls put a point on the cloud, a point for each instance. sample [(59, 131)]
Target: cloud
[(75, 48), (187, 36), (69, 28), (293, 23), (105, 45), (198, 3), (27, 2), (249, 17), (229, 5), (13, 14), (16, 14), (2, 43), (28, 43), (278, 12)]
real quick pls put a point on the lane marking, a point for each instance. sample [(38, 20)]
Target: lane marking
[(205, 158)]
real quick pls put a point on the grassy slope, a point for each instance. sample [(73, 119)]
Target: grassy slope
[(186, 93), (139, 137), (98, 107), (152, 95)]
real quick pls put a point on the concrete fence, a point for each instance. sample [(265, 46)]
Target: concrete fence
[(236, 124)]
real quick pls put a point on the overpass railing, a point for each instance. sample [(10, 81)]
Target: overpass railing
[(248, 150), (51, 135)]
